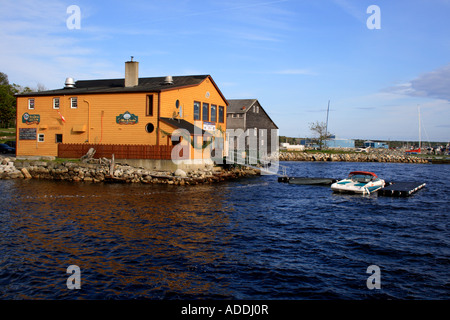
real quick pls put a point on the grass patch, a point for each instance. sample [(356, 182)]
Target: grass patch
[(8, 132), (61, 160)]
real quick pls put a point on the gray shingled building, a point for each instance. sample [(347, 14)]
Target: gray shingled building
[(249, 116)]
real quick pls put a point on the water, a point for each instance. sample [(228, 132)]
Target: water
[(248, 239)]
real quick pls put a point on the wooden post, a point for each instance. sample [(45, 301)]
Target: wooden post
[(111, 167)]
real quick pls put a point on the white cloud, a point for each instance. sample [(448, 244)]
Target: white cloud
[(355, 12), (37, 46), (433, 84)]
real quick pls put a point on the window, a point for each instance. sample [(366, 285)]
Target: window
[(150, 105), (55, 103), (74, 102), (205, 112), (213, 113), (58, 138), (149, 127), (41, 137), (30, 104), (221, 114), (196, 110)]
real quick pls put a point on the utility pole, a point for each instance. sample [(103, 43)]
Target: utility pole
[(326, 128)]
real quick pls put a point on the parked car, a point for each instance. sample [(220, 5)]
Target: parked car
[(11, 143), (362, 150), (4, 148)]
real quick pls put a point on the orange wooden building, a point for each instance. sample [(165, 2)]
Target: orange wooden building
[(134, 118)]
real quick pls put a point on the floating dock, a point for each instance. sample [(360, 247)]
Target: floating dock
[(392, 189), (307, 180), (401, 189)]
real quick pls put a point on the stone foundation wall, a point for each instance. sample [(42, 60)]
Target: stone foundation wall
[(11, 168)]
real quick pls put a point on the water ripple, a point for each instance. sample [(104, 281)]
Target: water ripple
[(249, 239)]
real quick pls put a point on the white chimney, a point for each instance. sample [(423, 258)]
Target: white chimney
[(70, 83), (168, 80), (131, 73)]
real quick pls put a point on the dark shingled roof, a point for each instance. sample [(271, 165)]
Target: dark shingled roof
[(154, 84), (239, 105), (183, 124), (243, 105)]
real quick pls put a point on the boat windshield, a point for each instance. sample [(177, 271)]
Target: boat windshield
[(362, 177)]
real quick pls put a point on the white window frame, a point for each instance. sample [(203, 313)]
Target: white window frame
[(72, 100), (29, 104), (41, 137), (59, 103)]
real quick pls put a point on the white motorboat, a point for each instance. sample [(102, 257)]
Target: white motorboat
[(361, 182)]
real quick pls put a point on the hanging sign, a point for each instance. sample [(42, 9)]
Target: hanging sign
[(209, 126), (31, 118), (127, 118)]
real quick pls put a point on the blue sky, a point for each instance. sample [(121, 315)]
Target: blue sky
[(291, 55)]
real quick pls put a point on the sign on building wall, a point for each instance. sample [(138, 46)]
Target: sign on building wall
[(31, 118), (127, 118), (27, 133), (209, 126)]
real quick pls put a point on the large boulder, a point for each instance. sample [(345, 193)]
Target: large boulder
[(180, 173)]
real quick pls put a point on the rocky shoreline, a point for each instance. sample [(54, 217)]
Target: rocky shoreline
[(10, 168), (351, 157)]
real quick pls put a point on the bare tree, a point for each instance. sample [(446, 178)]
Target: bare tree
[(320, 131), (41, 87)]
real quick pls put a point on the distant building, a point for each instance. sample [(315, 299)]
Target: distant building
[(339, 143), (376, 144), (249, 116), (291, 147)]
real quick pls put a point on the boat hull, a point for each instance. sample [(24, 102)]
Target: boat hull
[(348, 186)]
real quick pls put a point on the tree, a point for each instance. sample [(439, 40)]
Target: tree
[(320, 131), (3, 79), (41, 87), (8, 100)]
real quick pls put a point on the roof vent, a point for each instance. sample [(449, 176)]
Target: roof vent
[(70, 83), (168, 80)]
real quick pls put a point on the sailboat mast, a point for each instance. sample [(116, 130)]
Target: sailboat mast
[(328, 110), (420, 134)]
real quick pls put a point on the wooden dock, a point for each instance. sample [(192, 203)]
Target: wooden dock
[(401, 189), (307, 180)]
